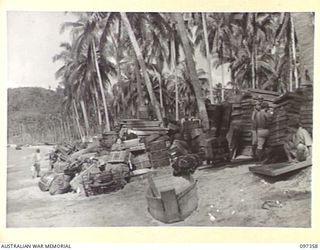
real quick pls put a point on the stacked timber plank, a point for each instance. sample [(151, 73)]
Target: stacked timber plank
[(158, 152), (143, 128), (241, 115), (247, 106), (280, 168), (306, 110), (152, 150), (286, 113), (268, 96)]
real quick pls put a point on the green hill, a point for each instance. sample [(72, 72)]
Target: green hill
[(31, 114)]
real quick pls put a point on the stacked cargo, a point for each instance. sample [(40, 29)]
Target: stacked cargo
[(247, 106), (286, 113), (158, 152), (307, 108), (241, 117), (143, 128), (108, 139), (139, 158)]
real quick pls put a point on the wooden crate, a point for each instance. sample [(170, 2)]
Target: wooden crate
[(140, 161), (160, 162), (119, 156), (171, 202), (156, 145), (160, 154)]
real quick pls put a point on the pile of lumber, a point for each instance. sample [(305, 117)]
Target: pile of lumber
[(143, 128), (247, 107), (286, 112), (307, 108), (268, 96), (280, 168), (241, 115)]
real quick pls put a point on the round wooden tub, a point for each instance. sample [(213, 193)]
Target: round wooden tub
[(171, 199)]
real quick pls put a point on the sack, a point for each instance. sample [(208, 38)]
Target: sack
[(60, 184), (46, 180)]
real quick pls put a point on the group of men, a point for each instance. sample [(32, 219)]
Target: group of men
[(297, 145)]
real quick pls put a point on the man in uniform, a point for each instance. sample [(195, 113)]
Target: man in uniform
[(261, 121), (256, 110), (299, 143)]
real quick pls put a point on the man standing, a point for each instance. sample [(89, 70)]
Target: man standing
[(254, 137), (261, 121), (36, 162)]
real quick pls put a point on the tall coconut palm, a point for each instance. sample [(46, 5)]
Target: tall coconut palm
[(85, 32), (64, 73), (142, 64), (192, 71), (304, 27)]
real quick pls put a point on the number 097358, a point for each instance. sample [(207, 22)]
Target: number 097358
[(308, 245)]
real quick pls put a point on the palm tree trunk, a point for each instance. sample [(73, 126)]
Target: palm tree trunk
[(139, 86), (101, 87), (304, 28), (143, 67), (293, 44), (77, 119), (290, 67), (206, 41), (85, 116), (161, 94), (98, 107), (192, 71), (174, 69), (253, 53), (222, 73)]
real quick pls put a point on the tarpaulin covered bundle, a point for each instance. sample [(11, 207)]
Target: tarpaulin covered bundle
[(186, 164), (60, 184), (104, 181), (46, 180)]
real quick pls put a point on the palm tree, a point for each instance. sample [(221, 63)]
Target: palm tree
[(142, 64), (208, 54), (85, 33), (304, 28), (64, 73), (192, 71)]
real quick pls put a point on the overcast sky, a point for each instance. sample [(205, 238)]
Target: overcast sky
[(33, 39)]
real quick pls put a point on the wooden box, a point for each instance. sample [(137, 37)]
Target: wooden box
[(171, 199)]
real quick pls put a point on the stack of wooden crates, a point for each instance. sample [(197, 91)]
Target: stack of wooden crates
[(286, 113), (242, 112)]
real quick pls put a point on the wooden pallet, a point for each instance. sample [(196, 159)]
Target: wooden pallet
[(280, 168)]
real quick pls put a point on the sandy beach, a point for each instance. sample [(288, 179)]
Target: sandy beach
[(228, 197)]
